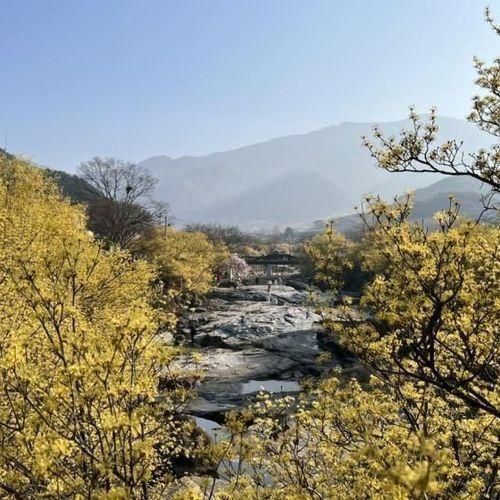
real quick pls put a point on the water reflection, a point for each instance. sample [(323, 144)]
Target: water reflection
[(273, 386)]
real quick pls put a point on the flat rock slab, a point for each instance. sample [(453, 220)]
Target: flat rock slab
[(224, 365), (281, 293), (246, 322)]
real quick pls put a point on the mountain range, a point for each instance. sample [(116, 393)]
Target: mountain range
[(294, 179)]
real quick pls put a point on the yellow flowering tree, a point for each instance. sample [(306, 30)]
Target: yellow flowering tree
[(186, 261), (431, 332), (330, 259), (79, 359), (339, 441)]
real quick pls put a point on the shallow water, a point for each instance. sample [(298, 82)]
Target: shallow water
[(273, 386)]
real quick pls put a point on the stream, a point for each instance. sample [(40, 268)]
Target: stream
[(250, 345)]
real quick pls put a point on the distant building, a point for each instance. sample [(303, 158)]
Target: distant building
[(274, 263)]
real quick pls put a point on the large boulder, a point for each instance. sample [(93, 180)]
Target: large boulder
[(285, 329)]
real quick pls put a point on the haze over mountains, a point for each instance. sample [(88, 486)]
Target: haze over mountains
[(428, 200), (290, 180)]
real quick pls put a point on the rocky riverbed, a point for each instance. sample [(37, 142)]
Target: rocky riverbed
[(248, 344)]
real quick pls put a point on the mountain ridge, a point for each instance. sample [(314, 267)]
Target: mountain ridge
[(202, 187), (297, 134)]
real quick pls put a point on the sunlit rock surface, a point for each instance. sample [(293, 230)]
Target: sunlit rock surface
[(248, 344)]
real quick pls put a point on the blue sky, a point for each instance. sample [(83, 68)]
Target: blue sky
[(132, 79)]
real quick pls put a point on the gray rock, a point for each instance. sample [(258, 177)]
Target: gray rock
[(244, 338), (282, 294)]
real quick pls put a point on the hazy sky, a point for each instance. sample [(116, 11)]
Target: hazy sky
[(133, 79)]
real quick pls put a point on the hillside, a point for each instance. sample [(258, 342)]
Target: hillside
[(467, 192), (427, 202), (4, 153), (73, 186)]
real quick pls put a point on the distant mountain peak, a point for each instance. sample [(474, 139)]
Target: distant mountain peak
[(160, 158)]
